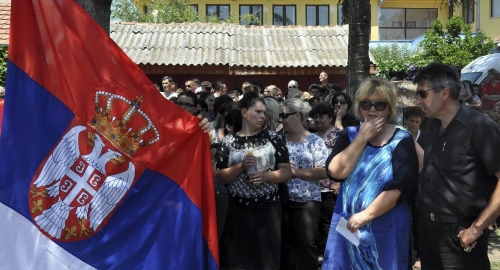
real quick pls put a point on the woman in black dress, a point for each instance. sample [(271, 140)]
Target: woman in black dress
[(251, 163)]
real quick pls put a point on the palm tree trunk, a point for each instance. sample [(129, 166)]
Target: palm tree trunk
[(359, 38)]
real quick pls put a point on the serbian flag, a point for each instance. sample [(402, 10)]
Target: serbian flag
[(97, 169)]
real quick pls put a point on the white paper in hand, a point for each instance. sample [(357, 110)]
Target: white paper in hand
[(352, 237)]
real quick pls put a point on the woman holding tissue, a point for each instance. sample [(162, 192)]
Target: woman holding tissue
[(301, 213), (251, 163), (377, 163)]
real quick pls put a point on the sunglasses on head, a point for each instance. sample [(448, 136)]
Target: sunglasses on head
[(423, 93), (342, 101), (367, 105), (285, 115)]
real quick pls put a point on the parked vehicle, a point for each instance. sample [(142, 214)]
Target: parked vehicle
[(477, 70)]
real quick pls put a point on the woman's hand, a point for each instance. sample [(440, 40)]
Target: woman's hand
[(258, 178), (370, 128), (357, 220), (336, 188), (248, 161), (342, 112)]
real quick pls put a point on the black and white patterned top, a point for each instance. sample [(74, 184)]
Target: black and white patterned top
[(270, 151), (309, 153)]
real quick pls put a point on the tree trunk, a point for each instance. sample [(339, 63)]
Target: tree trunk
[(100, 10), (359, 37)]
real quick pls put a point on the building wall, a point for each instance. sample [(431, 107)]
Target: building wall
[(490, 26), (487, 24)]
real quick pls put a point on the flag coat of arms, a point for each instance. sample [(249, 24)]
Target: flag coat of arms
[(97, 169)]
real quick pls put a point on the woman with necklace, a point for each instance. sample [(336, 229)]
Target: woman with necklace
[(302, 211), (251, 163)]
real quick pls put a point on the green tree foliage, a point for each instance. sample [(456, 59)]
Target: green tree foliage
[(393, 60), (453, 44), (169, 11), (3, 65)]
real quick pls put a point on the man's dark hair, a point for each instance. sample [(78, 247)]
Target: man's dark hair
[(218, 85), (313, 86), (438, 76), (414, 111), (204, 95), (336, 87), (202, 105), (189, 94), (250, 88), (167, 78), (322, 109)]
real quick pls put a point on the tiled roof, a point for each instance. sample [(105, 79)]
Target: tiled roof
[(233, 45), (4, 22)]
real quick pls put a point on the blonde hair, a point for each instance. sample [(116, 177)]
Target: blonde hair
[(297, 105), (377, 87), (272, 109), (274, 91), (305, 96)]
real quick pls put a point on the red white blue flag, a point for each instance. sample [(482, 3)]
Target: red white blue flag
[(97, 170)]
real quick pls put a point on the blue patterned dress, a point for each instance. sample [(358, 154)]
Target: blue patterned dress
[(385, 241)]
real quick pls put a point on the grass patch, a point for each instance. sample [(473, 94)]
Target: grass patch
[(495, 265)]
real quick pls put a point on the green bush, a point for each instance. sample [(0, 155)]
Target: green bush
[(3, 65)]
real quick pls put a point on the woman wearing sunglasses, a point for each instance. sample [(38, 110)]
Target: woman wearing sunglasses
[(251, 162), (378, 167), (341, 103), (301, 213)]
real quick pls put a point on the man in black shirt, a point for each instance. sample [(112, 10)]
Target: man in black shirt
[(462, 152)]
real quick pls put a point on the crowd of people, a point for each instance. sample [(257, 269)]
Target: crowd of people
[(290, 170)]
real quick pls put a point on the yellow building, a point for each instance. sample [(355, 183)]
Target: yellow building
[(390, 19)]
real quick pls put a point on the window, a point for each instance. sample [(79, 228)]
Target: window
[(405, 23), (495, 8), (221, 11), (146, 9), (340, 14), (284, 15), (255, 10), (195, 7), (317, 15), (468, 11)]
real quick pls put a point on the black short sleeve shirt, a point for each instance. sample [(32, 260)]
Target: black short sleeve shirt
[(458, 164)]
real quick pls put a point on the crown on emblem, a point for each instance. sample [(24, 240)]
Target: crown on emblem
[(123, 122)]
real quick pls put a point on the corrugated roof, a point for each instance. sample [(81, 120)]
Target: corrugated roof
[(234, 45), (4, 22)]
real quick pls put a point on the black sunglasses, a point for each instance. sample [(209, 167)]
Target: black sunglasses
[(182, 104), (367, 105), (285, 115), (336, 101), (423, 93)]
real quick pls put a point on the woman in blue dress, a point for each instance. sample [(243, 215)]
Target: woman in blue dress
[(378, 167)]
